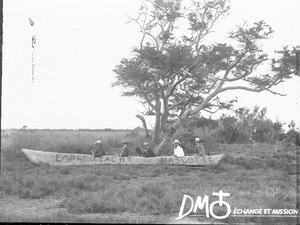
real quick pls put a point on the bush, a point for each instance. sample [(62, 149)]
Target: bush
[(228, 131), (292, 136), (187, 138)]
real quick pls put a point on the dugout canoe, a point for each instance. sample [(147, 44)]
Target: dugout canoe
[(65, 159)]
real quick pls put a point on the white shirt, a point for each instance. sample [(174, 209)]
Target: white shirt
[(178, 151)]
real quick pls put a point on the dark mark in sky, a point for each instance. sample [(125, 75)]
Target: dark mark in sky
[(33, 43), (31, 21), (298, 63)]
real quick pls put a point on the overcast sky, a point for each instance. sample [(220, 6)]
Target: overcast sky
[(78, 44)]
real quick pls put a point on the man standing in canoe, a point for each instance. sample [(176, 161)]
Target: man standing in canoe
[(99, 150), (125, 149), (199, 148), (178, 151), (148, 152)]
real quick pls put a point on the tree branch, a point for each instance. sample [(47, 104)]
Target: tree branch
[(249, 89), (176, 104), (246, 72), (147, 99), (144, 125), (172, 88)]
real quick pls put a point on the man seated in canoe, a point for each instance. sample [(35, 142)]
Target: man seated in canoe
[(199, 148), (178, 151), (125, 149), (99, 150), (147, 151)]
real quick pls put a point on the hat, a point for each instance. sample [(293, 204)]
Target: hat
[(199, 140), (176, 142), (146, 144), (98, 142), (124, 141)]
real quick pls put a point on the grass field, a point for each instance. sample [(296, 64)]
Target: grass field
[(256, 176)]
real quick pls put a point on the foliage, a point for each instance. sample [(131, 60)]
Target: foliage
[(255, 126), (228, 129), (293, 135), (246, 126), (201, 122), (177, 76)]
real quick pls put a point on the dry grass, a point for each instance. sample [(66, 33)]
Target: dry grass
[(255, 176), (64, 217)]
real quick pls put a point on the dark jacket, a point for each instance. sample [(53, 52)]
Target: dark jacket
[(147, 154), (199, 149), (125, 151), (98, 152)]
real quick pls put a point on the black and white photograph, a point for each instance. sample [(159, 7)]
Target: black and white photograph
[(150, 111)]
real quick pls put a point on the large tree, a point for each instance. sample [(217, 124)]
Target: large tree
[(177, 76)]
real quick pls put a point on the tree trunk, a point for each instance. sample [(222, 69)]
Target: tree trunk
[(161, 146), (144, 125), (157, 131), (167, 135)]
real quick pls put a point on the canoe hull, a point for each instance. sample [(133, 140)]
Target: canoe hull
[(65, 159)]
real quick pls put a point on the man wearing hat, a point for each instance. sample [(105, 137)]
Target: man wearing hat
[(99, 150), (199, 148), (125, 149), (147, 151), (178, 151)]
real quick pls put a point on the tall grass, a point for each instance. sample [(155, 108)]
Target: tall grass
[(256, 176), (149, 198), (66, 141), (65, 217)]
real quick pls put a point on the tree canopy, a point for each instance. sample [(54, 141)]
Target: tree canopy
[(177, 76)]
